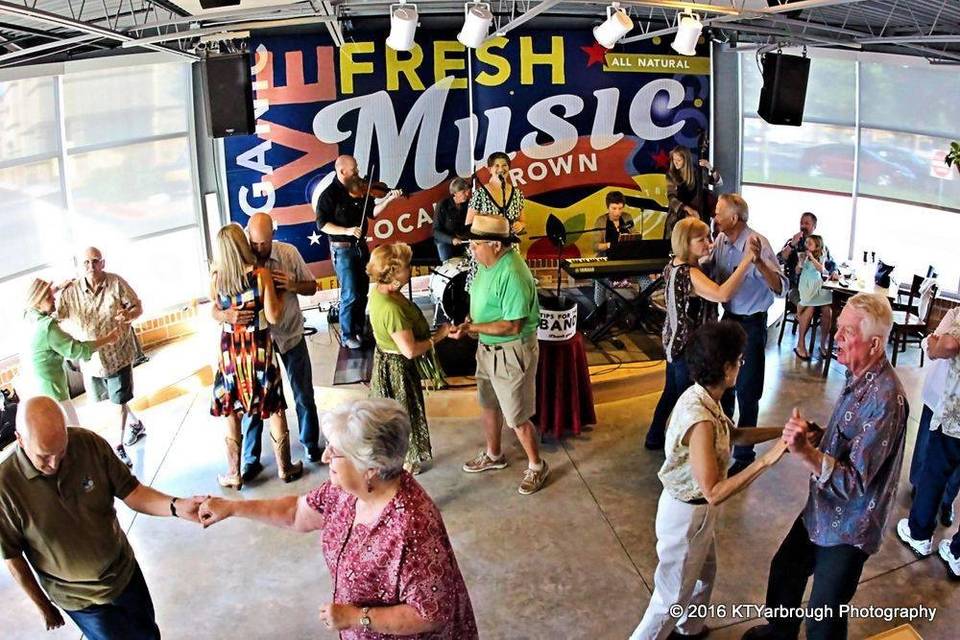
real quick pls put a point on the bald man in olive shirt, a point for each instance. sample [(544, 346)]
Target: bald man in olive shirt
[(57, 517)]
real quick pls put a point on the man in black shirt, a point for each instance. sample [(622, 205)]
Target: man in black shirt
[(789, 256), (341, 217), (450, 220)]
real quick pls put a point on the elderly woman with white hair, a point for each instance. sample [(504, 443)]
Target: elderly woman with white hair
[(393, 570), (48, 346)]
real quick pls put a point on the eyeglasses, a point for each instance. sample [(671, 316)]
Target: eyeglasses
[(92, 261)]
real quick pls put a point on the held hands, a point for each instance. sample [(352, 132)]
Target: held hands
[(213, 510), (772, 455), (797, 433), (441, 333), (189, 508), (233, 315), (339, 616)]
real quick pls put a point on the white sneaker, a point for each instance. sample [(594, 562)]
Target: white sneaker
[(922, 548), (352, 343), (952, 562)]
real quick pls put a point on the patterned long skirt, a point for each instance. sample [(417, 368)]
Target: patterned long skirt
[(394, 376), (248, 376)]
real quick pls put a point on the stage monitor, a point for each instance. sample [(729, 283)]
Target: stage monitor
[(784, 89), (228, 95)]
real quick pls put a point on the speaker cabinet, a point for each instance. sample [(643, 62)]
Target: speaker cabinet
[(216, 4), (784, 89), (228, 95)]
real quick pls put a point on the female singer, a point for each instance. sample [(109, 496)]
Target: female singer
[(497, 198), (685, 189)]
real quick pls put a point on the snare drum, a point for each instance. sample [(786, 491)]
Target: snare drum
[(448, 288)]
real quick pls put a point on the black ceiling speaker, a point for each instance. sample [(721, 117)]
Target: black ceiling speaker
[(216, 4), (784, 91), (228, 95)]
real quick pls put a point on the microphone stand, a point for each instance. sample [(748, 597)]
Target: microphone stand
[(560, 247)]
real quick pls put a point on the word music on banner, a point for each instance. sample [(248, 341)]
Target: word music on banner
[(577, 121)]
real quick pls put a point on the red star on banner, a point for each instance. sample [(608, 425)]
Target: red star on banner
[(594, 53), (661, 159)]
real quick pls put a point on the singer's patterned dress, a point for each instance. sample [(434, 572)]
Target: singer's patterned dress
[(485, 205)]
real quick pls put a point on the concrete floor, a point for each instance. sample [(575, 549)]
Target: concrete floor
[(573, 561)]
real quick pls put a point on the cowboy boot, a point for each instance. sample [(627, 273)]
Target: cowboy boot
[(232, 480), (286, 471)]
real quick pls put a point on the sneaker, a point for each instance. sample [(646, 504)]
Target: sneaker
[(122, 454), (313, 454), (533, 480), (922, 548), (952, 561), (483, 462), (352, 343), (135, 433)]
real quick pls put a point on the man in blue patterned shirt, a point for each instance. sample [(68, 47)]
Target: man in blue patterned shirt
[(853, 482)]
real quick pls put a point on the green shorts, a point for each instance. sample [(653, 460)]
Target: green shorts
[(118, 387)]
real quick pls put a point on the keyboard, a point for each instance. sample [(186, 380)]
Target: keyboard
[(593, 268)]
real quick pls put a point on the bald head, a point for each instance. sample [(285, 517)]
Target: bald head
[(42, 433), (260, 233), (346, 167), (93, 264)]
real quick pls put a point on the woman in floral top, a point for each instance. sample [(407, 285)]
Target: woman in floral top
[(497, 198), (688, 294), (393, 569), (695, 483)]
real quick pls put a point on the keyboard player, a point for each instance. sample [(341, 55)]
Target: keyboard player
[(612, 224)]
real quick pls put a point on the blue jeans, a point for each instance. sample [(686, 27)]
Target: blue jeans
[(678, 381), (130, 616), (750, 380), (941, 463), (920, 454), (297, 363), (354, 283), (836, 571)]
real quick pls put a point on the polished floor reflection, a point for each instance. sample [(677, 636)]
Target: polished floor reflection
[(573, 561)]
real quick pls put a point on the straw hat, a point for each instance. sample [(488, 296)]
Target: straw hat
[(37, 292), (496, 228)]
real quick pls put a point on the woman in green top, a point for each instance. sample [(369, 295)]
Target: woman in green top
[(49, 345), (404, 345)]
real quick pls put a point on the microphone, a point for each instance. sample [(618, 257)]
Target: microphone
[(503, 181)]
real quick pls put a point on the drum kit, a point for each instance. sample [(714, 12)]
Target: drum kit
[(448, 290)]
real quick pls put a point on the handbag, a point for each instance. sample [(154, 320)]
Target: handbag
[(882, 277)]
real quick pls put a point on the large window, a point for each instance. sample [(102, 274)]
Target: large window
[(100, 158), (878, 153)]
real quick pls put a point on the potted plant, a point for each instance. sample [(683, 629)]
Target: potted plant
[(953, 157)]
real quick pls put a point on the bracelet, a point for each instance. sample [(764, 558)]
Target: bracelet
[(432, 342), (173, 507)]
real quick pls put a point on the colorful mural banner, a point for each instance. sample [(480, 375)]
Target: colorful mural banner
[(577, 120)]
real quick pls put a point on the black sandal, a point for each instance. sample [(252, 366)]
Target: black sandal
[(797, 353)]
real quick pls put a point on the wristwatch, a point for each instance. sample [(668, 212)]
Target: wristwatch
[(173, 507), (365, 621)]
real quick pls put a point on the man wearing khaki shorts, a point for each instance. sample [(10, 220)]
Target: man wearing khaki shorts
[(504, 313)]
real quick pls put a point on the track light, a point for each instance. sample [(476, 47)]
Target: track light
[(476, 24), (688, 33), (617, 24), (403, 26)]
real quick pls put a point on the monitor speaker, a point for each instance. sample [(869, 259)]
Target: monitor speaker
[(784, 89), (228, 95)]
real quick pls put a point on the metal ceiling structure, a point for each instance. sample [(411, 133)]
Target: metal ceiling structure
[(38, 31)]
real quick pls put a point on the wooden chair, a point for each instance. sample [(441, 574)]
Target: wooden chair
[(910, 320)]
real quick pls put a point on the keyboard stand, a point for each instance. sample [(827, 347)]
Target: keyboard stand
[(631, 310)]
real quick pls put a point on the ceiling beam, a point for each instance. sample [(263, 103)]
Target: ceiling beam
[(83, 27), (526, 16), (208, 31), (47, 46)]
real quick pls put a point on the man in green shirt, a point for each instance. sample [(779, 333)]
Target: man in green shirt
[(505, 313), (57, 517)]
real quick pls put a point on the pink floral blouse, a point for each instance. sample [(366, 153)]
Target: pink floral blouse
[(405, 558)]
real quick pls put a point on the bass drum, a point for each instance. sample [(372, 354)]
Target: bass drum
[(448, 289)]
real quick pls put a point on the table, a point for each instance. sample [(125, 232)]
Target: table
[(564, 391), (842, 293)]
